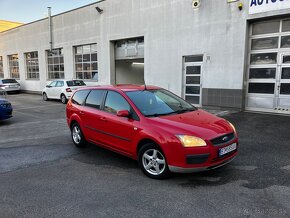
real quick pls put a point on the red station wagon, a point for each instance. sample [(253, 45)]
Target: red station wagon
[(160, 130)]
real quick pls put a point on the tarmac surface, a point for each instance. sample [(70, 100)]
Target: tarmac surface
[(42, 174)]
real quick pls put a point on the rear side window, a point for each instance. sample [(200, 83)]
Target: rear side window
[(95, 99), (5, 81), (75, 83), (80, 97), (115, 102)]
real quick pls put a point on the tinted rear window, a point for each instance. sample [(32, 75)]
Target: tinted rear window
[(95, 99), (75, 83), (80, 97), (5, 81)]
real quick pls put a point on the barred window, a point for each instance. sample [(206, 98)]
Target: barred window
[(1, 67), (86, 62), (14, 66), (32, 66), (55, 64)]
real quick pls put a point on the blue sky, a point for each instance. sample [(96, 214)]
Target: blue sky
[(26, 11)]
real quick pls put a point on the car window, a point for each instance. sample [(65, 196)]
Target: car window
[(5, 81), (116, 102), (59, 84), (53, 84), (80, 97), (75, 83), (95, 98), (159, 102)]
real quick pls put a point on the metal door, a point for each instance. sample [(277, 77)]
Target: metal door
[(192, 88), (283, 84)]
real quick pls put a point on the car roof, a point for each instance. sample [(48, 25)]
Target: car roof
[(124, 87)]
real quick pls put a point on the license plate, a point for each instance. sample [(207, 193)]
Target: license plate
[(228, 149)]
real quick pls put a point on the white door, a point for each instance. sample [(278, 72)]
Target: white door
[(57, 90), (49, 89), (283, 84), (192, 74)]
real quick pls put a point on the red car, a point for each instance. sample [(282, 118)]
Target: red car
[(152, 125)]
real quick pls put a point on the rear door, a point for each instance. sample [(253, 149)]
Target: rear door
[(57, 90), (91, 116)]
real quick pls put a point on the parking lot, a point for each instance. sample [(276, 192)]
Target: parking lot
[(42, 174)]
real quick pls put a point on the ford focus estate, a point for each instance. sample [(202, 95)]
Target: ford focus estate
[(160, 130)]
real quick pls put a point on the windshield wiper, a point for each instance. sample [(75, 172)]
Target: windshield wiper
[(184, 110), (157, 115)]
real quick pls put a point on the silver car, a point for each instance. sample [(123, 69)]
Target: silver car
[(9, 85)]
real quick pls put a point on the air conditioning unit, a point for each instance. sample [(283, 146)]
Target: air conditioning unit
[(195, 4)]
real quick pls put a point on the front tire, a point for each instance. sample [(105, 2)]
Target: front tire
[(44, 97), (78, 136), (152, 161), (63, 99)]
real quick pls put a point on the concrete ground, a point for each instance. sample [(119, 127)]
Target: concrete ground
[(42, 174)]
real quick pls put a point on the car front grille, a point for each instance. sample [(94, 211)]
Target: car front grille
[(222, 140)]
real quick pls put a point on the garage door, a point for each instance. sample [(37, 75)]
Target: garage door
[(268, 77)]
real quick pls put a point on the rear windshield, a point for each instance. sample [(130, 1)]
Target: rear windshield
[(75, 83), (5, 81)]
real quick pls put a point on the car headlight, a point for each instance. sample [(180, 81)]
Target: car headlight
[(191, 141), (233, 127)]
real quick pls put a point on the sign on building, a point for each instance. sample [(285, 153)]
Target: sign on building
[(259, 6)]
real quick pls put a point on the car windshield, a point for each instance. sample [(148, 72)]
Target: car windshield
[(75, 83), (5, 81), (153, 103)]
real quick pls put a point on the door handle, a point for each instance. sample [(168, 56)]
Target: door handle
[(103, 118)]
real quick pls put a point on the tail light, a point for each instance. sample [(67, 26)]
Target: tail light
[(68, 90)]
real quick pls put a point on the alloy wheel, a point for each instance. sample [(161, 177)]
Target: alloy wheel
[(153, 162)]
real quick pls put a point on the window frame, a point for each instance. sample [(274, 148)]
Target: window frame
[(26, 60), (1, 67), (50, 57), (79, 51), (14, 64)]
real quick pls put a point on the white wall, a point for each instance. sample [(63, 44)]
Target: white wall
[(171, 30)]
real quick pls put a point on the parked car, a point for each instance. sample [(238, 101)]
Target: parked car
[(61, 89), (163, 132), (5, 106), (9, 85)]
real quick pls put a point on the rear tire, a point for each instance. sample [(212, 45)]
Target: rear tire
[(78, 136), (44, 97), (63, 99), (152, 161)]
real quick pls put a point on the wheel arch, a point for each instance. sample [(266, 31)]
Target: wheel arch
[(145, 141)]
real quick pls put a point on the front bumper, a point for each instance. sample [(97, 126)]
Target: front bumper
[(175, 169)]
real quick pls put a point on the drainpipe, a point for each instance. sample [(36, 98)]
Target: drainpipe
[(50, 28)]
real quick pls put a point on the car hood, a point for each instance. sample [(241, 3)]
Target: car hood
[(197, 123)]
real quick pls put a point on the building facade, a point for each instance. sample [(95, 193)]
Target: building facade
[(227, 53)]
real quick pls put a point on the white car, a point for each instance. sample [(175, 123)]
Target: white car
[(61, 89), (9, 85)]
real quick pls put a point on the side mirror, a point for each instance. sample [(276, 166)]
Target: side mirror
[(48, 86), (123, 113)]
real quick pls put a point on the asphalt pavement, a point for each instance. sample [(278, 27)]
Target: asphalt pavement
[(42, 174)]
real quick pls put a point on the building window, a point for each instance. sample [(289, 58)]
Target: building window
[(14, 66), (55, 64), (32, 67), (1, 67), (86, 62)]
